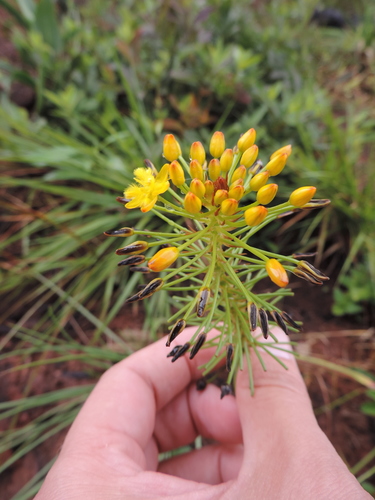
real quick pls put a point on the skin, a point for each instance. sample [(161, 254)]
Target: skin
[(268, 446)]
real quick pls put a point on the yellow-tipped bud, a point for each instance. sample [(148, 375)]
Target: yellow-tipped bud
[(171, 148), (267, 193), (276, 165), (163, 259), (196, 170), (249, 156), (277, 273), (220, 196), (229, 206), (255, 215), (214, 169), (247, 140), (209, 186), (284, 150), (239, 173), (236, 192), (217, 144), (192, 203), (302, 195), (197, 152), (238, 182), (259, 180), (226, 160), (176, 173), (197, 187)]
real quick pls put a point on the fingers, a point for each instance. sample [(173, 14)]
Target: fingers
[(213, 464)]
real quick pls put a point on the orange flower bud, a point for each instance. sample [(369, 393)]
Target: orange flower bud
[(226, 160), (239, 173), (236, 192), (176, 173), (220, 196), (255, 215), (259, 180), (249, 156), (209, 185), (171, 148), (277, 273), (192, 203), (229, 206), (196, 170), (197, 187), (197, 152), (246, 140), (302, 195), (238, 182), (217, 144), (267, 193), (286, 149), (214, 169), (276, 165), (163, 258)]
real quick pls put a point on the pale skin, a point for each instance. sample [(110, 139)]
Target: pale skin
[(269, 446)]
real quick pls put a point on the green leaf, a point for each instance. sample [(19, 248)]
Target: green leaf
[(47, 24), (368, 408)]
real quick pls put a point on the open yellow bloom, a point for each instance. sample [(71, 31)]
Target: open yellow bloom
[(145, 194)]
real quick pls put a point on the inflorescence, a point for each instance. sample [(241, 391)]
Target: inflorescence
[(213, 207)]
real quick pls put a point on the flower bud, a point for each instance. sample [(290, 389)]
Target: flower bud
[(259, 180), (171, 148), (249, 156), (302, 195), (226, 160), (123, 232), (177, 328), (284, 150), (209, 186), (229, 206), (239, 173), (276, 165), (203, 296), (196, 170), (197, 152), (197, 187), (277, 273), (176, 173), (267, 193), (217, 144), (214, 169), (255, 215), (236, 192), (246, 140), (163, 259), (192, 203), (220, 196), (133, 248)]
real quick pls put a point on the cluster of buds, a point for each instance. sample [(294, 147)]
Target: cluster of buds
[(207, 261)]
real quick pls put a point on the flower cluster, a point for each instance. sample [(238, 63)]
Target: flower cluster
[(208, 262)]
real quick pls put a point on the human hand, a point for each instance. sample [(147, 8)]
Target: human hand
[(268, 445)]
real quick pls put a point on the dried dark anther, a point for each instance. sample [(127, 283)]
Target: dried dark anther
[(310, 269), (286, 214), (133, 298), (304, 255), (151, 288), (201, 384), (178, 327), (307, 276), (149, 164), (165, 245), (181, 351), (229, 357), (133, 248), (263, 320), (316, 204), (133, 260), (253, 315), (256, 167), (144, 270), (124, 231), (226, 390), (203, 296), (288, 319), (198, 344), (279, 320), (172, 353), (122, 200)]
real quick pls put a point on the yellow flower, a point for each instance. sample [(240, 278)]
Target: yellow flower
[(145, 194)]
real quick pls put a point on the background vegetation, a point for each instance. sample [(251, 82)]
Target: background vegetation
[(88, 90)]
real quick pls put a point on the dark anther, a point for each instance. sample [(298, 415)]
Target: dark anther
[(279, 320), (124, 231), (172, 353), (133, 260), (307, 276), (256, 167), (144, 270), (287, 317), (263, 319), (151, 288), (203, 296), (122, 200), (133, 248), (133, 298), (181, 351), (201, 384), (226, 390), (178, 327), (309, 268), (253, 316), (229, 357), (198, 344)]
